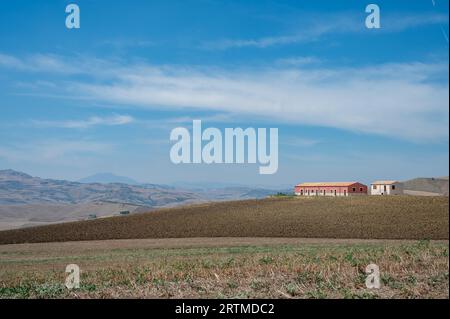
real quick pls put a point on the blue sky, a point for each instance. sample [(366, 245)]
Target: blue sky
[(350, 103)]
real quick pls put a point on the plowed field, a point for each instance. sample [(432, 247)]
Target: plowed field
[(368, 217)]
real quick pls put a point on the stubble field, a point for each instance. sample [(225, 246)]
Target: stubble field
[(226, 268)]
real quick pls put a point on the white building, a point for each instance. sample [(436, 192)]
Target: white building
[(386, 188)]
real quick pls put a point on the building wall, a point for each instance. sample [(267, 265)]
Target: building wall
[(360, 189), (386, 189), (332, 191), (321, 191)]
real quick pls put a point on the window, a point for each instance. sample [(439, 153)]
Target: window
[(374, 186), (360, 189), (354, 189), (393, 187)]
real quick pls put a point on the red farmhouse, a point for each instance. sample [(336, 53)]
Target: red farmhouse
[(331, 189)]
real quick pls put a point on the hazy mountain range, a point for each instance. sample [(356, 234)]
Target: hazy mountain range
[(19, 188), (107, 178), (26, 200)]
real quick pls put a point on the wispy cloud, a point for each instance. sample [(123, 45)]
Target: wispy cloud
[(311, 30), (127, 43), (304, 36), (444, 34), (299, 61), (409, 21), (90, 122), (51, 63), (54, 150), (37, 62), (300, 142), (400, 100)]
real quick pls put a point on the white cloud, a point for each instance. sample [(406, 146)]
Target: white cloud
[(406, 21), (126, 43), (38, 62), (10, 61), (314, 27), (300, 142), (54, 151), (400, 100), (50, 63), (299, 61), (304, 36), (90, 122)]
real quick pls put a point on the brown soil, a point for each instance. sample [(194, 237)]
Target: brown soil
[(368, 217)]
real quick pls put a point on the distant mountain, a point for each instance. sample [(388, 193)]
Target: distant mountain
[(17, 188), (107, 178), (9, 174), (437, 186), (26, 200)]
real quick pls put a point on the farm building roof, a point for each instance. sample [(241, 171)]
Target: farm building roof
[(322, 184), (384, 182)]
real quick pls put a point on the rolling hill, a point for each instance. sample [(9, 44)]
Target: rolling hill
[(437, 186), (26, 200), (19, 188), (365, 217)]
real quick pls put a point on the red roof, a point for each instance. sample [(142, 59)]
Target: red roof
[(325, 184)]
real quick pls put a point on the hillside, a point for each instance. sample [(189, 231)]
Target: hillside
[(17, 188), (438, 186), (368, 217), (17, 216), (29, 201), (20, 188)]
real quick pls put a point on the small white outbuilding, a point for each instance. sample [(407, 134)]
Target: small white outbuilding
[(386, 188)]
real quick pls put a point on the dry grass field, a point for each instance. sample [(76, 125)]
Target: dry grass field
[(226, 268), (365, 217)]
